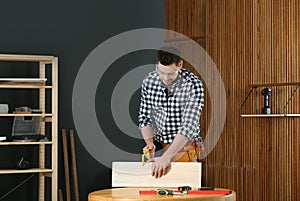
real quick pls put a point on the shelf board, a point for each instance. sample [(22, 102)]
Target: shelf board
[(32, 170), (24, 86), (24, 83), (270, 115), (24, 80), (28, 115), (24, 143), (20, 57), (274, 84)]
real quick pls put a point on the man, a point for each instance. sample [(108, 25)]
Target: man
[(171, 103)]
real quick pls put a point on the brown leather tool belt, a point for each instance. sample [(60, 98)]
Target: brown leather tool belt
[(189, 153)]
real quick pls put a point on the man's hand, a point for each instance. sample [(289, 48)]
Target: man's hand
[(151, 147), (160, 165)]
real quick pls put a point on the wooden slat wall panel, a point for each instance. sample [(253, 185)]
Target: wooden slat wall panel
[(250, 42)]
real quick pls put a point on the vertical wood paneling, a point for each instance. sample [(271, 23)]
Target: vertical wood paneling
[(250, 42)]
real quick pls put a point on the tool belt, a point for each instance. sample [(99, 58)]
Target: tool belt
[(189, 153)]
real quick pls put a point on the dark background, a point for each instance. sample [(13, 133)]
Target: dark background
[(69, 30)]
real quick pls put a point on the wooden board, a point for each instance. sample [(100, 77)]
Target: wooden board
[(23, 81), (133, 174)]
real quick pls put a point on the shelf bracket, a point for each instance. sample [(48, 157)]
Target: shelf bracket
[(244, 102), (293, 94)]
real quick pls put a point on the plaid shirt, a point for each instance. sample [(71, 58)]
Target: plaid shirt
[(176, 112)]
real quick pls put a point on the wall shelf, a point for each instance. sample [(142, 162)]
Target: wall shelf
[(256, 86), (270, 115)]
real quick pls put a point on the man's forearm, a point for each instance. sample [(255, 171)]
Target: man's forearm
[(178, 143), (147, 133)]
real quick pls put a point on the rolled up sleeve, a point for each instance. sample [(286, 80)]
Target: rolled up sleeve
[(192, 111), (144, 117)]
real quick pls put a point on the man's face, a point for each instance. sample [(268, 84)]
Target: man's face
[(168, 73)]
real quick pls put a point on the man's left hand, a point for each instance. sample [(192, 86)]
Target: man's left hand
[(160, 165)]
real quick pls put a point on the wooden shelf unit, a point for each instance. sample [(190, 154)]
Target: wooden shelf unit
[(46, 64), (256, 86)]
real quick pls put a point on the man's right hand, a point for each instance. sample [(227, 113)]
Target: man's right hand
[(151, 148)]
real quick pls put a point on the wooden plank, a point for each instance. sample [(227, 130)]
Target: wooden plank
[(133, 174), (42, 107), (18, 57), (24, 143), (54, 128), (60, 195), (74, 166), (31, 170), (274, 84), (66, 164)]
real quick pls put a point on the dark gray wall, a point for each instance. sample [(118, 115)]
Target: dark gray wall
[(70, 30)]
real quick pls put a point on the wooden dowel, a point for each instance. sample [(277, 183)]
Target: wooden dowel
[(66, 164), (74, 167), (60, 195)]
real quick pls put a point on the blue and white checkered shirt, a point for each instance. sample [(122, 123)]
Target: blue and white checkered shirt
[(174, 109)]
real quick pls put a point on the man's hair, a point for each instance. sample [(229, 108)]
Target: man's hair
[(167, 55)]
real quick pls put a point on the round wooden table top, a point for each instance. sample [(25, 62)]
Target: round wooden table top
[(132, 194)]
